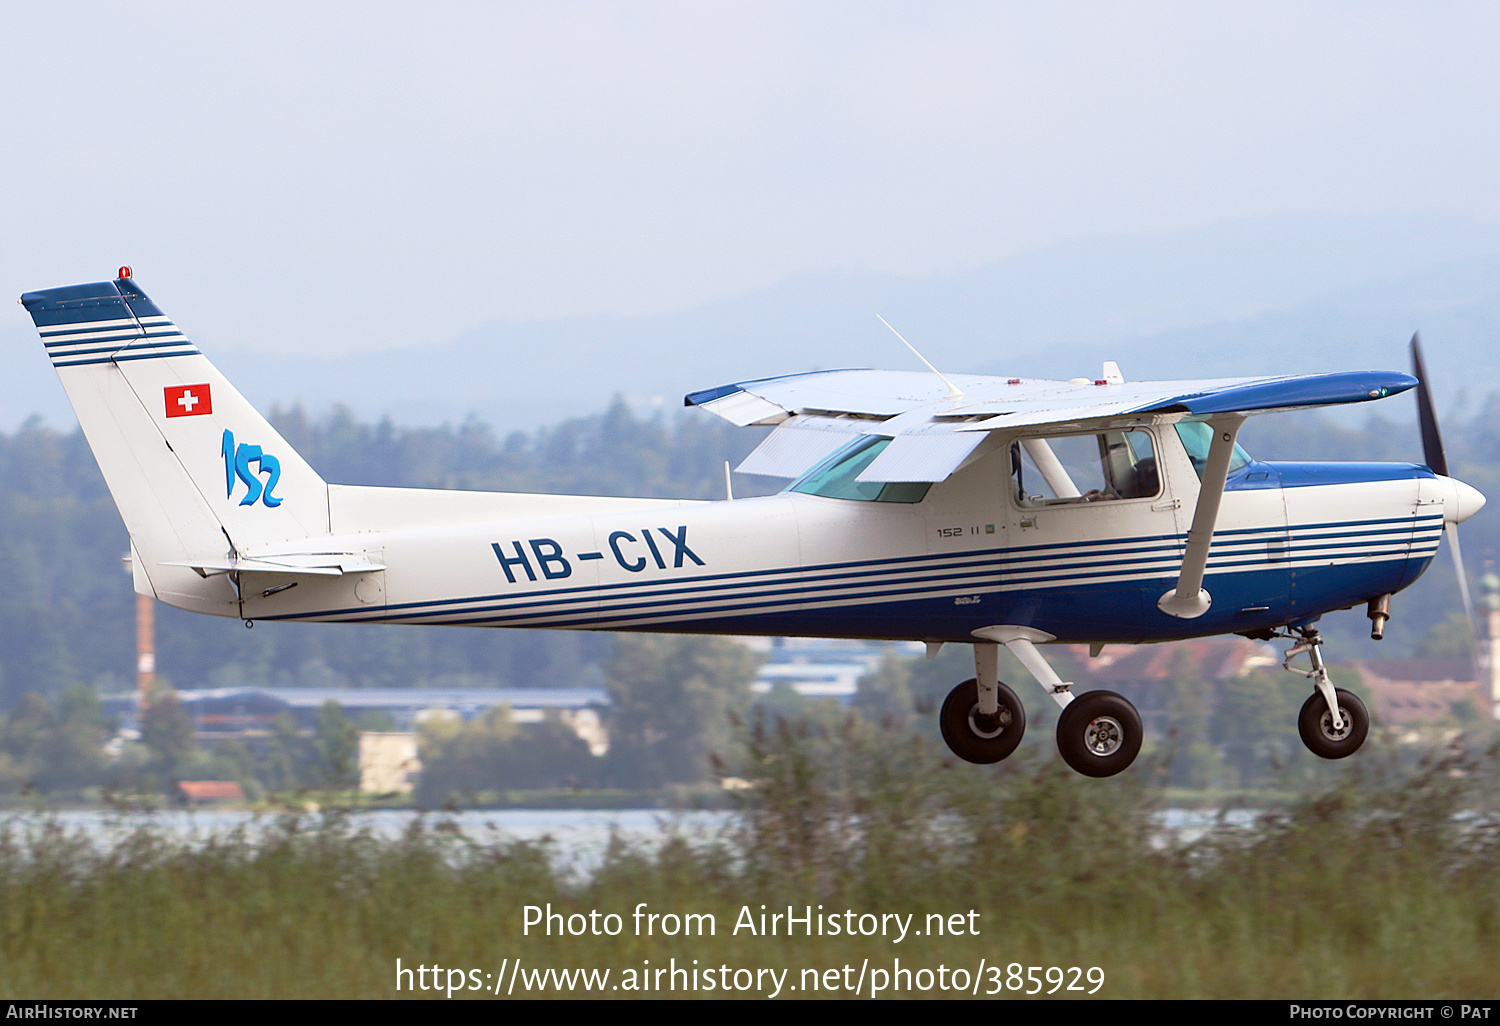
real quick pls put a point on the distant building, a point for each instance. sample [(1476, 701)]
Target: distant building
[(251, 712), (1414, 692), (1489, 645), (388, 762), (820, 667), (1403, 692), (211, 792), (1142, 672)]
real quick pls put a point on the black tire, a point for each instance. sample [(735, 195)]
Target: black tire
[(1315, 724), (967, 739), (1099, 733)]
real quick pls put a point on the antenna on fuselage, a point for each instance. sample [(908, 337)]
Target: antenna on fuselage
[(953, 390)]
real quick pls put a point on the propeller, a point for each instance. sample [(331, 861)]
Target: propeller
[(1437, 460)]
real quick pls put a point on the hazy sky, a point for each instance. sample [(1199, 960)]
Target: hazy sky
[(337, 177)]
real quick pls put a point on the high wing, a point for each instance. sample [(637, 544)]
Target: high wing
[(933, 431)]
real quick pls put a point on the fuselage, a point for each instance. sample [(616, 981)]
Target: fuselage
[(1293, 541)]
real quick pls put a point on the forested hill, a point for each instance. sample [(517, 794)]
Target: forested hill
[(66, 613)]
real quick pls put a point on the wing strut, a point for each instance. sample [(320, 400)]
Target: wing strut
[(1188, 599), (1053, 472)]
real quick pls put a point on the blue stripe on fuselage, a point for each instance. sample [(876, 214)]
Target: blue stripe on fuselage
[(1149, 549), (1066, 589)]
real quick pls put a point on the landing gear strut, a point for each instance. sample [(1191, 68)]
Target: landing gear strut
[(1333, 722)]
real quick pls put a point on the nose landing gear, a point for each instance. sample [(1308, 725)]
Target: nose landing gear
[(1333, 722)]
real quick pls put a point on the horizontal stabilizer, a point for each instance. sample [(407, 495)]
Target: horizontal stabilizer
[(328, 564)]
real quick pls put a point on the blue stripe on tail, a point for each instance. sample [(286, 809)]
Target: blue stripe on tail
[(97, 322)]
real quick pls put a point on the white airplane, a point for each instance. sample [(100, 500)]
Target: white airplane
[(978, 510)]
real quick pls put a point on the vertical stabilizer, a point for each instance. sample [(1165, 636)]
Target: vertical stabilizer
[(196, 472)]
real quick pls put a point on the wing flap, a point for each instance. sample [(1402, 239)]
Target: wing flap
[(798, 445), (922, 457)]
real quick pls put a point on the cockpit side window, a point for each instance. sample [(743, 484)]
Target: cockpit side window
[(1196, 437), (1067, 469), (834, 478)]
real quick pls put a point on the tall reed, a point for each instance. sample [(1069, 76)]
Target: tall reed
[(1383, 885)]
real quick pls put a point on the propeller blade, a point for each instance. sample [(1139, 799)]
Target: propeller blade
[(1451, 530), (1437, 460), (1432, 441)]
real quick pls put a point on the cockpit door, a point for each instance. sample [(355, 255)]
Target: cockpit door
[(1088, 528)]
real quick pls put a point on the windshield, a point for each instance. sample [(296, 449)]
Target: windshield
[(1196, 437), (834, 478)]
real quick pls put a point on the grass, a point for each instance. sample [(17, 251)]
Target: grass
[(1384, 885)]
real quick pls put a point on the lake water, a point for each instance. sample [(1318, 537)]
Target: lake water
[(578, 837)]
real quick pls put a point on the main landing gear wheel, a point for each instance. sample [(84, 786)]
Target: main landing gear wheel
[(1315, 724), (974, 737), (1099, 733)]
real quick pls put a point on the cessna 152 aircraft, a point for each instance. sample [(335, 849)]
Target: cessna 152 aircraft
[(978, 510)]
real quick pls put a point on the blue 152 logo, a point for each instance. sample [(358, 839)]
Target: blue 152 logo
[(237, 460)]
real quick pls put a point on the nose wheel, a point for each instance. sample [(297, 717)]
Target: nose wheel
[(1319, 734)]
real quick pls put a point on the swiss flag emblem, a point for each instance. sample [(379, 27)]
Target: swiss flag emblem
[(188, 400)]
